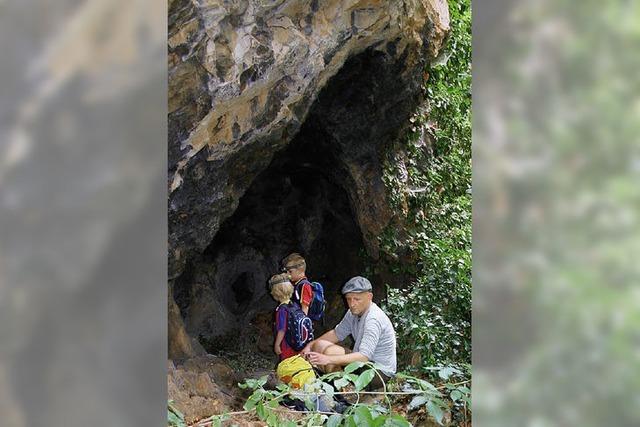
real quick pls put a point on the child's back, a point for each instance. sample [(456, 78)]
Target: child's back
[(281, 291)]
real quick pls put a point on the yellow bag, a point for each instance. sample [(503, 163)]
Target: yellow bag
[(295, 371)]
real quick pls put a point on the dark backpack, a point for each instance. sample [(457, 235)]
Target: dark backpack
[(299, 327), (316, 308)]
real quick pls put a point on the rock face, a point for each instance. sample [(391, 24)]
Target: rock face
[(280, 115), (201, 387), (243, 76)]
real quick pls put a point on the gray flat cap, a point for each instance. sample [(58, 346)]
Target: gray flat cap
[(357, 284)]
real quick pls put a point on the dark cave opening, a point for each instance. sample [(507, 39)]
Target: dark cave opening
[(242, 293), (296, 205)]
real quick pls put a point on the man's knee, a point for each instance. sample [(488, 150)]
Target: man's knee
[(319, 346), (327, 347), (334, 350)]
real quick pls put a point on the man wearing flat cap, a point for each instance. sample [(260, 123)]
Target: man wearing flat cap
[(372, 331)]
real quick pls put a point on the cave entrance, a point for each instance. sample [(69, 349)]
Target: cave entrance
[(297, 204), (306, 200)]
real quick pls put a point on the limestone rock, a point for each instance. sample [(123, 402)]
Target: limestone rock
[(243, 76), (200, 387), (180, 343)]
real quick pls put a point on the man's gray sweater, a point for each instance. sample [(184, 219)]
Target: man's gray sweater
[(374, 337)]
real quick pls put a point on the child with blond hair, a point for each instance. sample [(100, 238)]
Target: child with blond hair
[(281, 291)]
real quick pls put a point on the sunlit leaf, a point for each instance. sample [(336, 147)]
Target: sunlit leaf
[(353, 366), (334, 420), (418, 400), (364, 379), (435, 411)]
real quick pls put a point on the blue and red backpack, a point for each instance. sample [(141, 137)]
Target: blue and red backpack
[(316, 308), (299, 331)]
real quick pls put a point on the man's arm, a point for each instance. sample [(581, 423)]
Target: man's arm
[(341, 360)]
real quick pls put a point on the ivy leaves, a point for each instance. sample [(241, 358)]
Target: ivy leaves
[(432, 314)]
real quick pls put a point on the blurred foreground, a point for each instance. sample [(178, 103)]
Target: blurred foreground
[(556, 225)]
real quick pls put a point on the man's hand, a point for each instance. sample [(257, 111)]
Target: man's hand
[(306, 350), (277, 349), (318, 358)]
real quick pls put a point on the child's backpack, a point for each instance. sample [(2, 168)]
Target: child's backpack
[(299, 327), (316, 308)]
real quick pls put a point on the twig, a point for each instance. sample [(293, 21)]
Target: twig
[(449, 385), (384, 389), (359, 392), (302, 412)]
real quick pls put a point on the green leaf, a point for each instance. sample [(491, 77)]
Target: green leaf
[(353, 366), (364, 379), (316, 420), (466, 399), (363, 416), (260, 411), (397, 421), (379, 409), (446, 372), (263, 380), (455, 395), (351, 422), (435, 411), (174, 416), (252, 401), (272, 421), (418, 400), (377, 367), (342, 382), (427, 386), (309, 403), (328, 388), (351, 377), (173, 419), (334, 420)]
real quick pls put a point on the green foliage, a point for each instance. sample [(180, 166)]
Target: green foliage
[(175, 418), (437, 401), (429, 180)]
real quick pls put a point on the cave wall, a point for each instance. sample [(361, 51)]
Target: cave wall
[(273, 105)]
